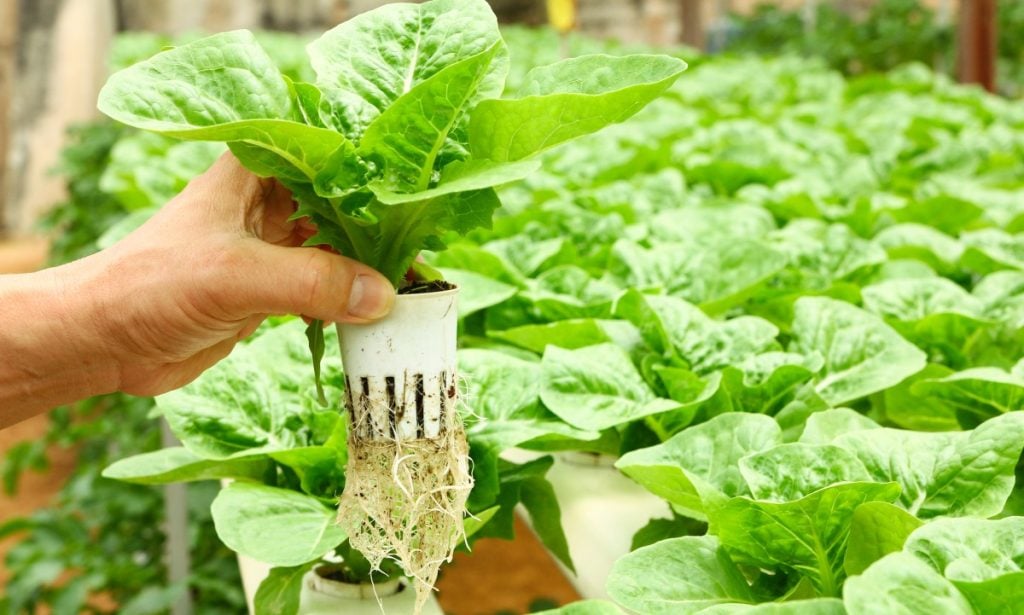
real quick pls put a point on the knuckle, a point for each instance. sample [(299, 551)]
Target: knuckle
[(219, 281), (228, 257), (317, 289)]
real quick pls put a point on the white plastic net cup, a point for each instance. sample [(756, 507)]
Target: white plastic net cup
[(400, 372)]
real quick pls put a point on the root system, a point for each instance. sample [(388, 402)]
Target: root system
[(405, 500)]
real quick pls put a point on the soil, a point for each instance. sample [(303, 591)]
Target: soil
[(333, 574), (502, 577), (422, 288)]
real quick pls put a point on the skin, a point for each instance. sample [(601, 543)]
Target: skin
[(151, 313)]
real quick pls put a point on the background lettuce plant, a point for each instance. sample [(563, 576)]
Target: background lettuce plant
[(794, 520), (881, 37), (815, 274)]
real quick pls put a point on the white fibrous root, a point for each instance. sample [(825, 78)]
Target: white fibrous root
[(408, 475)]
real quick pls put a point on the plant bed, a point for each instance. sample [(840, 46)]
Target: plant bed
[(397, 146), (601, 511), (515, 576)]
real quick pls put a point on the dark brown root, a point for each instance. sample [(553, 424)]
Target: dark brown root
[(420, 287)]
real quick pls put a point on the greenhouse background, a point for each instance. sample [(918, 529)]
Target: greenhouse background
[(674, 337)]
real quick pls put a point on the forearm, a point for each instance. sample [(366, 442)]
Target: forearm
[(50, 353)]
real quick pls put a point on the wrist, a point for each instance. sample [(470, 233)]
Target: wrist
[(51, 352), (80, 318)]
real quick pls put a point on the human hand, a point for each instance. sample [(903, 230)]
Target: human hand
[(174, 297)]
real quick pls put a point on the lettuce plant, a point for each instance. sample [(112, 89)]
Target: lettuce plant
[(402, 137), (836, 518)]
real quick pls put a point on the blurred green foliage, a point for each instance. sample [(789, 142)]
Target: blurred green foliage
[(890, 33)]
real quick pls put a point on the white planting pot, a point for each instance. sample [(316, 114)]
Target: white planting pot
[(400, 371), (253, 572), (322, 596), (601, 510)]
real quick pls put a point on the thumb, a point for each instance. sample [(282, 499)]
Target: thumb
[(307, 281)]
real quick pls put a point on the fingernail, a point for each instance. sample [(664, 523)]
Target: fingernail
[(370, 298)]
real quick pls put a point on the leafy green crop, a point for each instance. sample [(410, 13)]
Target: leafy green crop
[(77, 222), (790, 303), (889, 33), (810, 512), (402, 136), (885, 35)]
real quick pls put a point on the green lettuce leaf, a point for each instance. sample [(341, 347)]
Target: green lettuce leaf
[(715, 278), (793, 470), (280, 591), (503, 396), (697, 468), (901, 583), (981, 392), (648, 579), (862, 354), (877, 529), (176, 464), (259, 399), (222, 80), (566, 100), (276, 526), (945, 474), (931, 312), (597, 387), (674, 328), (991, 250), (379, 56), (808, 535)]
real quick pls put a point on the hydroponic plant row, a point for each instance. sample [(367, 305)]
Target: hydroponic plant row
[(400, 139), (791, 305)]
